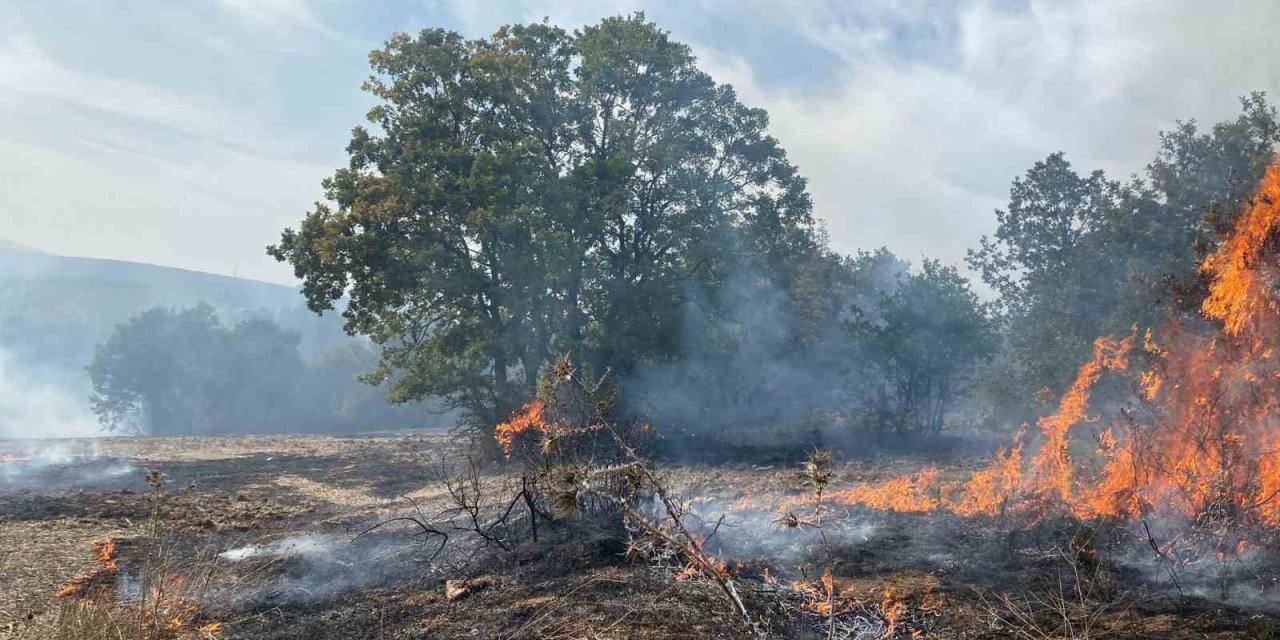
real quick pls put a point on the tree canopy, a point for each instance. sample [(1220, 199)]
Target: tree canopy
[(540, 192)]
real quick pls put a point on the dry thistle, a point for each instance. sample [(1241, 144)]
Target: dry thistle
[(551, 441), (788, 520), (567, 487), (816, 472), (563, 369)]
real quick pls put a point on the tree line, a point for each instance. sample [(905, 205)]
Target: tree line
[(593, 194)]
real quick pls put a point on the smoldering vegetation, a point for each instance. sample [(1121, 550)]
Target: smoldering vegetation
[(308, 568), (62, 465)]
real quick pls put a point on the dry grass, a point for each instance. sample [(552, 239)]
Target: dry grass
[(346, 497), (38, 557)]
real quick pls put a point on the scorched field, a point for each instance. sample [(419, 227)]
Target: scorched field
[(270, 538)]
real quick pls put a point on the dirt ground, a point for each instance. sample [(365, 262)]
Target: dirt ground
[(936, 577)]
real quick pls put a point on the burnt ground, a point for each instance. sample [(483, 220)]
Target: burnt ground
[(936, 576)]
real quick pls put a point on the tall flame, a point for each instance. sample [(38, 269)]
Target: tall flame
[(1051, 467)]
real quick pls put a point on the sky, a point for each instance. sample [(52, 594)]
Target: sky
[(190, 133)]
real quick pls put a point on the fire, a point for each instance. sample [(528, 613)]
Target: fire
[(1202, 441), (693, 570), (989, 490), (99, 581), (104, 552), (892, 607), (819, 596), (169, 610), (910, 494), (1244, 267), (529, 418), (1051, 468)]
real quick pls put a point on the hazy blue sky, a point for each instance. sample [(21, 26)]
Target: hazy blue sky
[(189, 133)]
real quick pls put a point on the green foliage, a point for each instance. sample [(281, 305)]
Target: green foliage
[(1075, 257), (167, 371), (541, 192), (919, 337), (184, 372)]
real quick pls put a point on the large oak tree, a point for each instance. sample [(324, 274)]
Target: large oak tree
[(540, 192)]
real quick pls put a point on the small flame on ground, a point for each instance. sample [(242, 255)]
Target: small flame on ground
[(98, 583), (529, 419)]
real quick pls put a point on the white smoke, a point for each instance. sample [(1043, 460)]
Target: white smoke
[(42, 406), (306, 567), (58, 465), (304, 545)]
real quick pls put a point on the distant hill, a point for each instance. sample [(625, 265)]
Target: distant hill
[(9, 245), (56, 309)]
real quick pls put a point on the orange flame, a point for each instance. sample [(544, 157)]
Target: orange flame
[(97, 581), (910, 494), (1244, 268), (104, 552), (990, 489), (892, 607), (529, 418), (1051, 468)]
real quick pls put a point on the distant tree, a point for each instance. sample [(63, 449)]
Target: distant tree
[(540, 192), (261, 370), (155, 370), (919, 336), (183, 372), (1056, 287)]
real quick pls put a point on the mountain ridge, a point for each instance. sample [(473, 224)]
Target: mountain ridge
[(15, 248)]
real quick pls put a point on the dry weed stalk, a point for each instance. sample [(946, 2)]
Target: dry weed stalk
[(842, 618), (1072, 605)]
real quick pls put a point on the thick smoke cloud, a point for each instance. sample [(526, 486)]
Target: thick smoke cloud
[(43, 404), (738, 367)]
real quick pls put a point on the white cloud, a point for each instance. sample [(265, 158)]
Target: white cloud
[(914, 152), (112, 168), (909, 118), (27, 73), (274, 15), (215, 210)]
